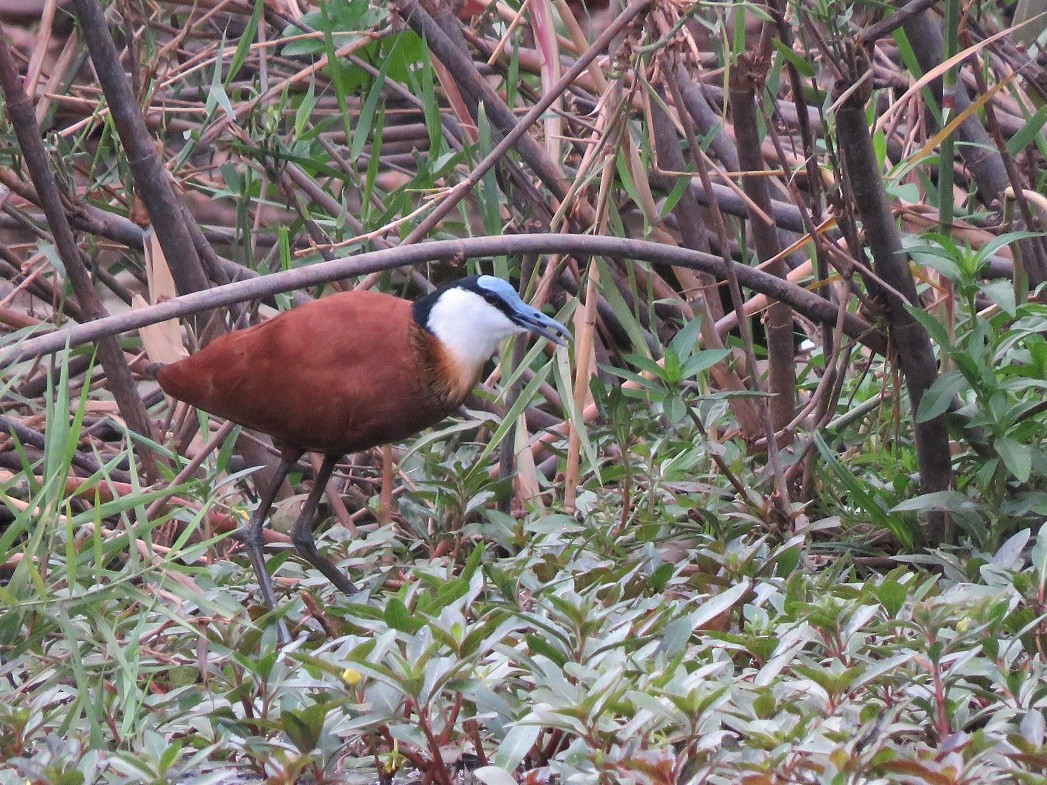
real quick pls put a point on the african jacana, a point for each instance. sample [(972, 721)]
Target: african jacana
[(346, 373)]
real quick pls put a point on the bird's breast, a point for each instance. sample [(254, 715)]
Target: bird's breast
[(446, 379)]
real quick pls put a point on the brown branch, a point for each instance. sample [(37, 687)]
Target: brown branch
[(799, 299), (707, 300), (151, 178), (1032, 246), (908, 337), (707, 120), (33, 438), (778, 321), (889, 24)]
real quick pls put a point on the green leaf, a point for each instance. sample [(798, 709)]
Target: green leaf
[(517, 743), (1027, 133), (564, 385), (937, 398), (686, 341), (1001, 240), (937, 259), (891, 595), (625, 313), (951, 501), (1002, 293), (935, 328), (654, 385), (1029, 21), (672, 374), (400, 618), (523, 400), (719, 603), (243, 47), (788, 559), (426, 78), (472, 564), (538, 645), (367, 110), (622, 165), (803, 65), (703, 361), (1017, 457), (879, 140), (1039, 558), (341, 20), (647, 364), (861, 495), (489, 191), (431, 603), (303, 727), (304, 113), (679, 189), (495, 775), (217, 96), (660, 577)]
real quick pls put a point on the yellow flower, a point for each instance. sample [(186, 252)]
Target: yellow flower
[(351, 677)]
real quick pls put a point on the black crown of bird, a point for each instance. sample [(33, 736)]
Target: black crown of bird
[(368, 368)]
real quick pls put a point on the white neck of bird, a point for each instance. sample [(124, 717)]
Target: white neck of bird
[(469, 327)]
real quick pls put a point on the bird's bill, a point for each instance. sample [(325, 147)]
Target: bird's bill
[(538, 323)]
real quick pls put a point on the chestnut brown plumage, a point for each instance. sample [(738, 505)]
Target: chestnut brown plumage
[(296, 377), (345, 373)]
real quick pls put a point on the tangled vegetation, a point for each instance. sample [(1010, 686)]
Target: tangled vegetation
[(774, 517)]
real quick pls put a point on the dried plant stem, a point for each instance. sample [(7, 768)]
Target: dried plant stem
[(982, 157), (584, 361), (388, 504), (121, 383), (456, 194)]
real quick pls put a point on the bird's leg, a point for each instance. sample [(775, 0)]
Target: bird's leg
[(302, 531), (253, 538)]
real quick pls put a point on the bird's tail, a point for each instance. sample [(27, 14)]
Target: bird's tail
[(151, 370)]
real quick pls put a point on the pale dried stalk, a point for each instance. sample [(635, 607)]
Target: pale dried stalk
[(584, 353)]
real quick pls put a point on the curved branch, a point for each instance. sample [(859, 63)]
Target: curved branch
[(800, 299)]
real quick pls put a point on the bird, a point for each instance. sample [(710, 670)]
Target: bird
[(345, 373)]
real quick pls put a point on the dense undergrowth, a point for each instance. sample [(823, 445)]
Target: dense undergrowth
[(553, 647), (656, 636)]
